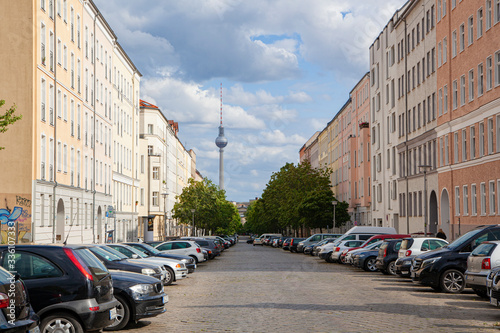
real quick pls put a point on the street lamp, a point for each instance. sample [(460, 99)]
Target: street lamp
[(334, 203), (424, 169), (165, 212), (192, 211)]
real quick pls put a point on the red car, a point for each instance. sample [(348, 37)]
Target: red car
[(369, 241)]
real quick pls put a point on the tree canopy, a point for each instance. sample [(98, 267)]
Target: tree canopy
[(212, 211), (296, 196), (7, 118)]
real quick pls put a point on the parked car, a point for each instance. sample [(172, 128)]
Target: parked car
[(326, 250), (479, 264), (175, 269), (493, 286), (69, 288), (341, 246), (113, 259), (316, 247), (211, 245), (294, 242), (286, 244), (413, 246), (444, 268), (371, 240), (139, 297), (259, 240), (151, 251), (13, 296), (366, 259), (403, 265), (314, 239), (350, 254), (387, 256), (184, 247), (308, 249)]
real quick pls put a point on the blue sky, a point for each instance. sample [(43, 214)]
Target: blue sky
[(286, 66)]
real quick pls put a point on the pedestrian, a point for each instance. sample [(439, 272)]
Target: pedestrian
[(441, 234)]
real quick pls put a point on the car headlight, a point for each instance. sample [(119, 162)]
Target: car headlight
[(184, 260), (429, 262), (148, 271), (139, 290), (301, 243)]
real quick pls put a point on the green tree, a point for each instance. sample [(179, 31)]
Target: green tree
[(8, 118), (212, 211), (316, 209)]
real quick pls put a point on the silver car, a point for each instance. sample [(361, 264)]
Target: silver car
[(479, 264), (342, 246)]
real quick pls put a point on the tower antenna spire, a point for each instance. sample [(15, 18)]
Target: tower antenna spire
[(221, 142)]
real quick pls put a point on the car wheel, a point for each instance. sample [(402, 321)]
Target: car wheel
[(60, 322), (195, 259), (370, 265), (453, 281), (329, 258), (122, 315), (391, 268), (170, 276)]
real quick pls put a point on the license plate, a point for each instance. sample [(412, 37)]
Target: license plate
[(494, 301), (112, 314), (405, 272), (165, 299)]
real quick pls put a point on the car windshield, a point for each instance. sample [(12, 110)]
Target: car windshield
[(150, 248), (106, 255), (96, 267), (115, 252), (457, 243), (484, 250), (136, 251)]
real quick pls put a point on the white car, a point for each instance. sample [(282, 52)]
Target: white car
[(372, 246), (418, 245), (185, 247), (346, 244), (479, 264), (175, 269)]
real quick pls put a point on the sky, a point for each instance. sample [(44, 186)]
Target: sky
[(286, 68)]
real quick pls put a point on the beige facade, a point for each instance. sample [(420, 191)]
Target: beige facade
[(165, 168), (63, 182)]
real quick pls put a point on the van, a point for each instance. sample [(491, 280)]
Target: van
[(314, 239), (259, 241), (364, 233)]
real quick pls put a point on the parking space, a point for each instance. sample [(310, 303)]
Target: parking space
[(263, 289)]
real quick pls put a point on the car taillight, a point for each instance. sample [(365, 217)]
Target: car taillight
[(94, 308), (408, 253), (78, 263), (198, 250), (337, 249), (4, 301), (486, 264), (385, 252)]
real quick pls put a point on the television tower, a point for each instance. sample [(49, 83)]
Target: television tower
[(221, 142)]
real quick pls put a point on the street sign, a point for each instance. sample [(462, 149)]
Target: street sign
[(110, 212)]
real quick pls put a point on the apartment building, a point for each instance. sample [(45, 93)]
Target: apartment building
[(125, 97), (468, 121), (165, 168), (311, 152), (62, 186)]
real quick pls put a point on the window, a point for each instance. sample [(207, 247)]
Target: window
[(464, 145), (42, 44), (445, 99), (457, 201), (482, 198), (491, 135), (31, 266), (462, 90), (455, 148), (43, 149), (471, 85), (454, 44), (445, 50), (497, 11), (150, 128), (488, 14), (465, 200), (470, 29), (472, 142), (481, 139), (489, 73), (492, 197), (497, 68), (462, 37), (155, 199), (479, 22), (455, 95), (156, 173), (440, 101), (42, 102), (473, 199), (480, 87)]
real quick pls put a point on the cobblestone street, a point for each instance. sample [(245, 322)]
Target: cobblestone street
[(262, 289)]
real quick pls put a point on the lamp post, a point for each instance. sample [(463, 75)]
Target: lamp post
[(334, 203), (165, 212), (192, 232), (424, 169)]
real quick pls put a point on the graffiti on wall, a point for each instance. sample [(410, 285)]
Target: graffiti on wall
[(15, 212)]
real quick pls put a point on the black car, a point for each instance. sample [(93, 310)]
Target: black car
[(444, 268), (366, 260), (139, 297), (16, 313), (387, 256), (308, 249), (113, 259), (151, 251), (69, 288), (294, 242), (286, 244), (403, 266)]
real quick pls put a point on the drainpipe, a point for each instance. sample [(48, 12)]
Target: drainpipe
[(406, 129), (94, 129), (55, 143)]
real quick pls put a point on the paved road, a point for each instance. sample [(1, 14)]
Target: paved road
[(262, 289)]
